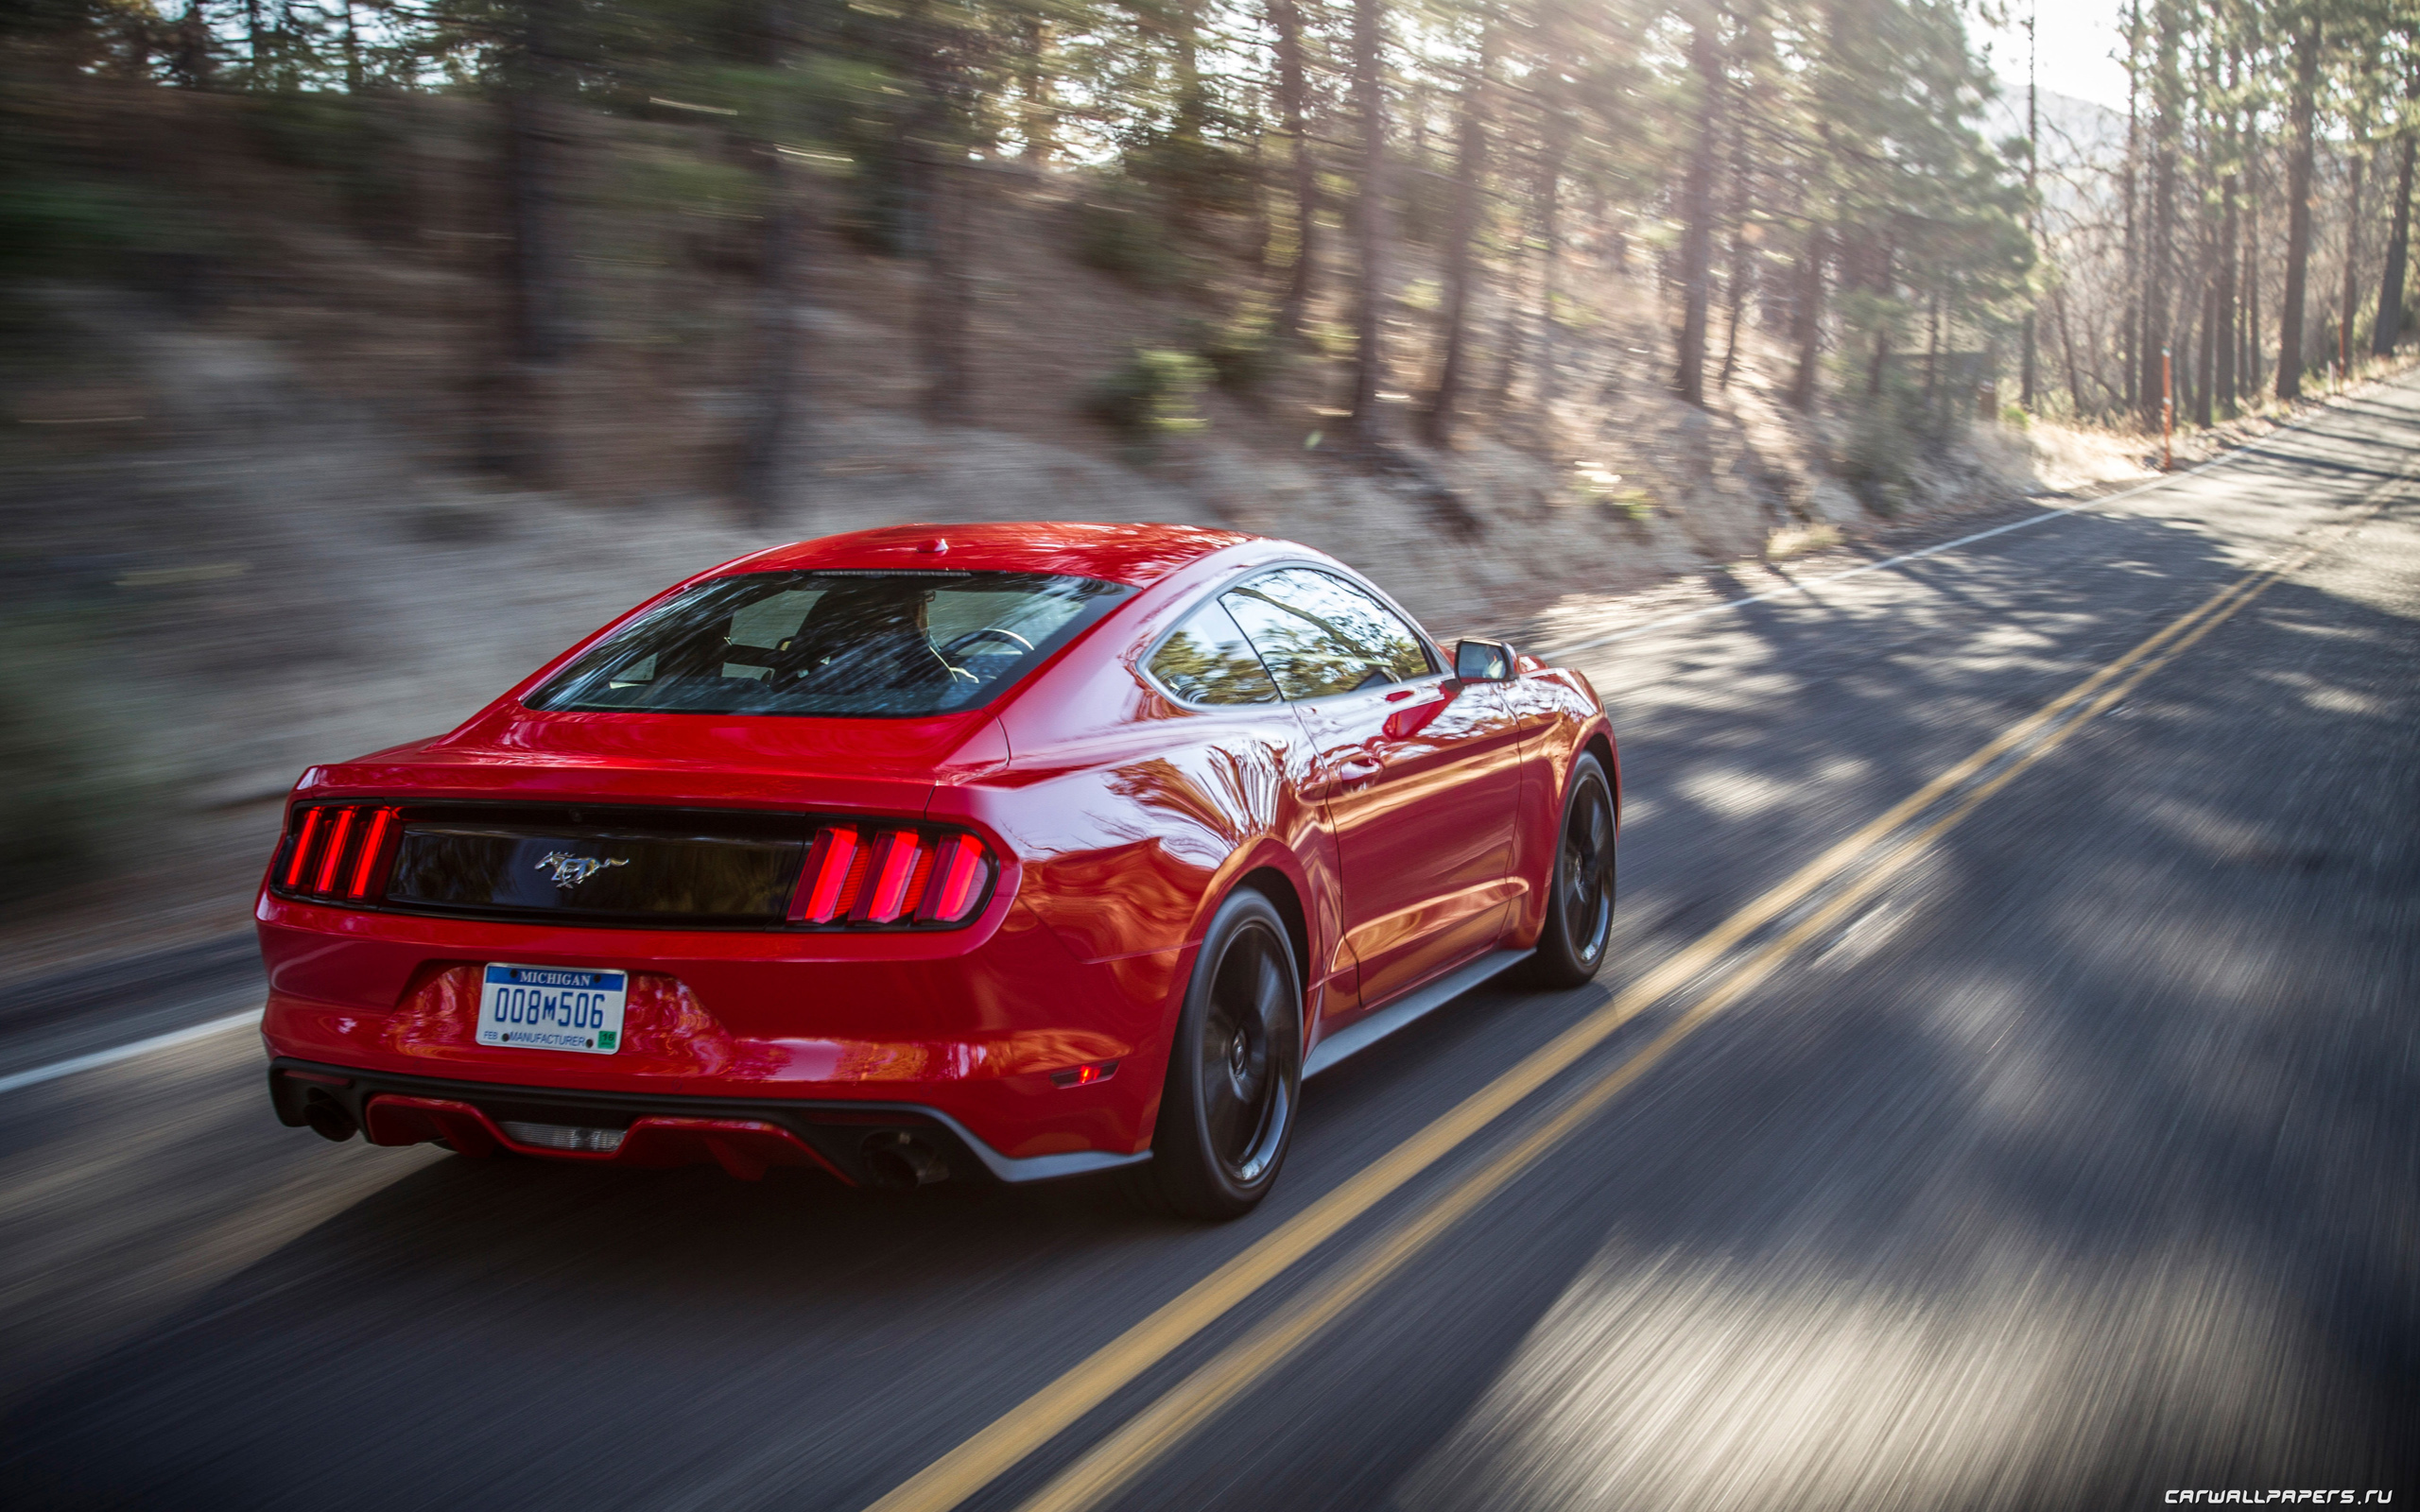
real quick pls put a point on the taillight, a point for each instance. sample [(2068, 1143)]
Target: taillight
[(961, 869), (892, 876), (339, 852), (824, 885)]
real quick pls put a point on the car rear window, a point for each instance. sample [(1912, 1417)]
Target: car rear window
[(863, 645)]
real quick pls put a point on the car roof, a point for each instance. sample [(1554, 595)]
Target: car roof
[(1136, 554)]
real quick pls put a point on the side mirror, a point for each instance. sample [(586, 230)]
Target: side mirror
[(1484, 661)]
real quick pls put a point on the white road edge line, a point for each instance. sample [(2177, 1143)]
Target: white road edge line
[(2231, 454), (140, 1047)]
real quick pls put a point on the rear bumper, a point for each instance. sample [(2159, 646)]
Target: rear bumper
[(978, 1027), (849, 1140)]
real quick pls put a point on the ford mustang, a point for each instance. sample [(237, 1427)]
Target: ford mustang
[(978, 852)]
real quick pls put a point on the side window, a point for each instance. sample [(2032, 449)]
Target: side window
[(1319, 635), (1208, 660)]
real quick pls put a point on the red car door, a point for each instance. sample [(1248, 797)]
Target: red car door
[(1420, 774)]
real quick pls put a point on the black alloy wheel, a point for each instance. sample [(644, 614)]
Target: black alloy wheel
[(1234, 1070), (1580, 906)]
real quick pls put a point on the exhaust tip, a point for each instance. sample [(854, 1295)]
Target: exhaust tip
[(902, 1161), (326, 1118)]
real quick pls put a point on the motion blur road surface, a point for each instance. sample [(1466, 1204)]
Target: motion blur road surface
[(2062, 1157)]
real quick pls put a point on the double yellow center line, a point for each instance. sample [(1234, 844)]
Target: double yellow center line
[(1861, 864)]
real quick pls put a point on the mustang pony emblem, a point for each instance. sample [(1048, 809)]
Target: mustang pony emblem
[(571, 870)]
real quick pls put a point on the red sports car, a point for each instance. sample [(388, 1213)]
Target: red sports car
[(1003, 852)]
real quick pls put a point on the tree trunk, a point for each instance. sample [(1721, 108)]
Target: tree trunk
[(2389, 329), (1697, 202), (1880, 284), (2159, 252), (2067, 348), (2349, 306), (2206, 356), (2181, 368), (1470, 167), (1192, 99), (765, 443), (2222, 373), (1550, 166), (1807, 319), (1932, 364), (939, 207), (2248, 376), (942, 303), (536, 259), (1368, 218), (189, 55), (2130, 346), (2033, 234), (2289, 319), (537, 266), (1291, 96), (1757, 45), (1735, 296), (1037, 111), (1509, 335)]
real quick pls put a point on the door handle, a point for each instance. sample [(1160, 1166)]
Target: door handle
[(1358, 768)]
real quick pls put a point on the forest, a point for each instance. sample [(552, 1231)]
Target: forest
[(1825, 174)]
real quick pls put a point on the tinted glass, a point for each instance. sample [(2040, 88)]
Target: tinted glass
[(1208, 660), (1320, 635), (874, 643)]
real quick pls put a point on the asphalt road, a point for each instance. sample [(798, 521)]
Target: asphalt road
[(2064, 1156)]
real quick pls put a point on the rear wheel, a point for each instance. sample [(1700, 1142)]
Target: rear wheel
[(1580, 897), (1234, 1071)]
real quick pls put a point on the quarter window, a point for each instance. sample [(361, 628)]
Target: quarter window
[(1320, 636), (1208, 660)]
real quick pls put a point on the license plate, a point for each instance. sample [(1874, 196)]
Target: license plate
[(553, 1007)]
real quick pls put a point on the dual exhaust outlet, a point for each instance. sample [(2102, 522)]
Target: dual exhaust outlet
[(891, 1158)]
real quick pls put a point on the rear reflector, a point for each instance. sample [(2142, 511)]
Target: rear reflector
[(338, 851)]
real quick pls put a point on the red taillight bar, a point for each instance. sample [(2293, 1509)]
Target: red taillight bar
[(303, 841), (895, 856), (325, 880), (895, 876), (961, 869), (341, 851), (827, 880), (373, 847)]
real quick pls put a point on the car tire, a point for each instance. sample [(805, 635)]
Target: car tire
[(1579, 887), (1234, 1070)]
